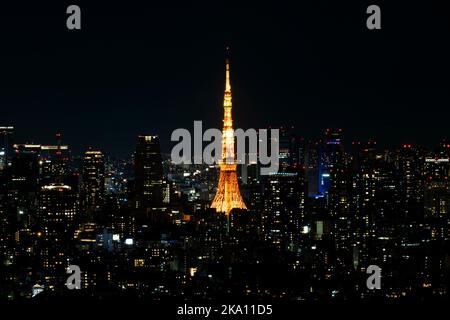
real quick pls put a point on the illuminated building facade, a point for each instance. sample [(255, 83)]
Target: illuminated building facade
[(437, 192), (363, 179), (284, 208), (5, 157), (6, 133), (94, 179), (54, 162), (312, 168), (148, 172), (228, 196), (411, 163), (58, 209), (331, 158)]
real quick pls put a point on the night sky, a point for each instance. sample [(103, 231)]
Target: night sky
[(133, 69)]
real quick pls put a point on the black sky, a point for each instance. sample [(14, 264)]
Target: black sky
[(146, 69)]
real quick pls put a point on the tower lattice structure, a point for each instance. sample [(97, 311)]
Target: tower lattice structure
[(228, 196)]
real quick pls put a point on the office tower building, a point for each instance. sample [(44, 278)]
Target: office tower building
[(312, 168), (291, 149), (387, 194), (411, 163), (362, 212), (6, 145), (249, 171), (334, 184), (363, 183), (54, 162), (437, 199), (25, 168), (22, 185), (443, 149), (148, 173), (437, 190), (331, 160), (93, 179), (284, 208), (58, 210), (6, 151), (252, 186), (333, 173), (436, 167)]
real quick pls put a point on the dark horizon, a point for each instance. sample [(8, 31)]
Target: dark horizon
[(143, 70)]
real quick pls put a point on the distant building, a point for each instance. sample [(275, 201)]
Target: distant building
[(94, 179), (437, 187), (291, 149), (148, 173), (411, 163), (284, 208), (54, 162), (58, 209), (6, 151), (312, 168)]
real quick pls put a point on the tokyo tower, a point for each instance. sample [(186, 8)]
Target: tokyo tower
[(228, 196)]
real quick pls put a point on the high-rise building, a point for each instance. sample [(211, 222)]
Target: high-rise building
[(312, 168), (333, 173), (387, 190), (334, 185), (5, 214), (284, 208), (291, 149), (437, 199), (54, 162), (437, 186), (93, 179), (228, 196), (58, 209), (411, 163), (249, 171), (6, 149), (23, 182), (148, 173), (25, 168), (363, 179), (331, 160), (363, 183)]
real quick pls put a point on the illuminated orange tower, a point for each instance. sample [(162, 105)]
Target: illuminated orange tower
[(228, 196)]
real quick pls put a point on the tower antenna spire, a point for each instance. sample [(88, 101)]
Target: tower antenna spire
[(227, 66)]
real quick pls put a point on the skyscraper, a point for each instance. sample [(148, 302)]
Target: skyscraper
[(284, 208), (94, 179), (228, 196), (363, 180), (54, 162), (291, 150), (58, 208), (437, 186), (5, 223), (148, 173), (312, 168), (411, 163), (331, 160), (5, 145)]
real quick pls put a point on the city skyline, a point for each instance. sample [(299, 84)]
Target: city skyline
[(331, 208), (319, 65), (338, 193)]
